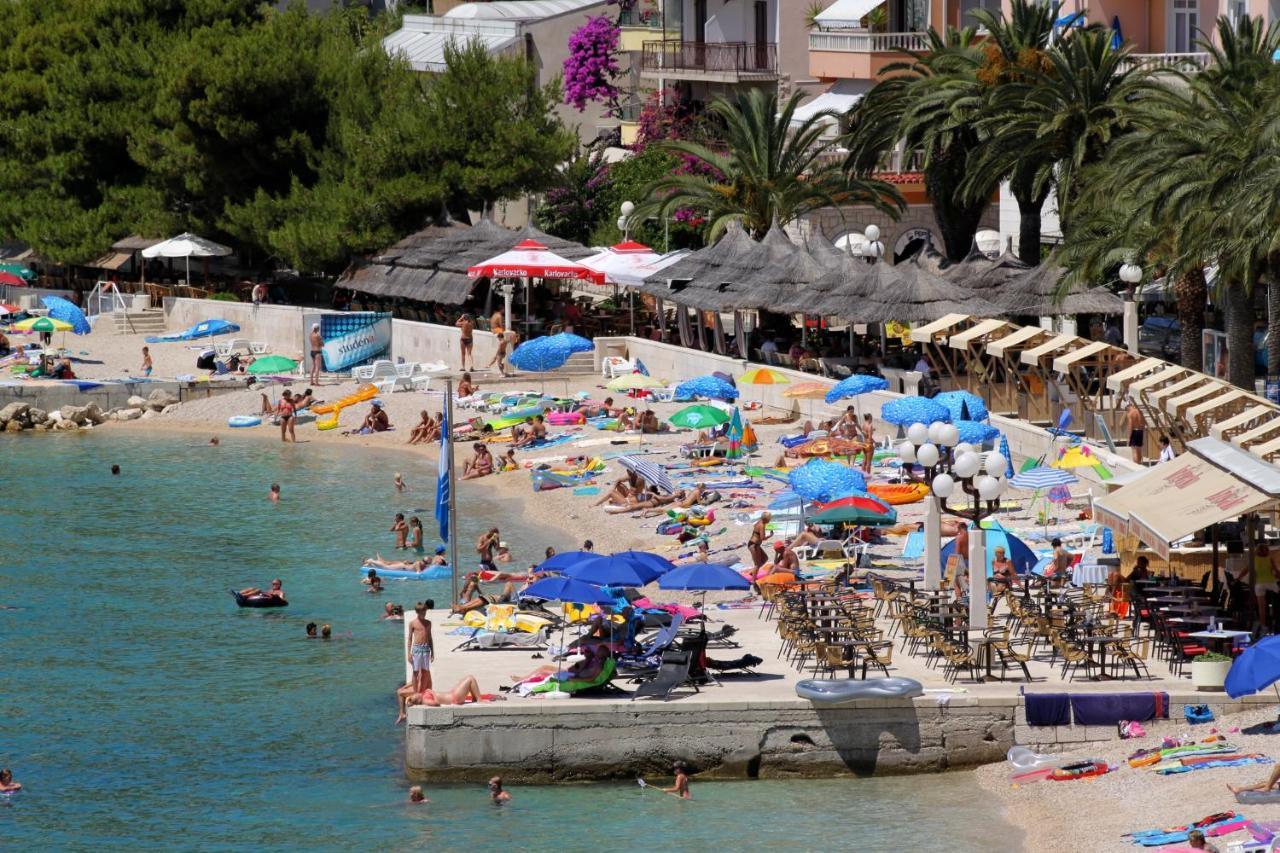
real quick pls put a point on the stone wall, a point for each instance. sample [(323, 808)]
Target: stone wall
[(569, 740)]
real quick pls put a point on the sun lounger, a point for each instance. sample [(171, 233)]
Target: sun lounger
[(552, 685), (673, 674)]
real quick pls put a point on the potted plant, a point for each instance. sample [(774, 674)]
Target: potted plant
[(1209, 670)]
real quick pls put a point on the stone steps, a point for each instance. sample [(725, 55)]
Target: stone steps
[(138, 322)]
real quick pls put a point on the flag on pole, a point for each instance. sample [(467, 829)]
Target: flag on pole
[(442, 483)]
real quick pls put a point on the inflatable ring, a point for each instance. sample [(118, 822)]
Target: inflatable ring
[(899, 493), (700, 521), (243, 421)]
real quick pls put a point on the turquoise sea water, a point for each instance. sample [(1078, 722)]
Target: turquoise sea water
[(142, 710)]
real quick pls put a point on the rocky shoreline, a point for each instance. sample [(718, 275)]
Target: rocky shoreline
[(23, 417)]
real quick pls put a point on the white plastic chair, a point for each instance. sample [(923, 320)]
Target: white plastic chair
[(259, 347)]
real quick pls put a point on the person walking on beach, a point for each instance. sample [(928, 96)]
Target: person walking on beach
[(400, 529), (505, 339), (146, 361), (317, 353), (284, 409), (468, 329), (418, 647), (759, 532)]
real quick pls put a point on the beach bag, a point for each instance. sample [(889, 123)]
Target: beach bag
[(1131, 729), (1197, 713)]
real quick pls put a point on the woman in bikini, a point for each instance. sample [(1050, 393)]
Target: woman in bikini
[(284, 409), (466, 691), (759, 533)]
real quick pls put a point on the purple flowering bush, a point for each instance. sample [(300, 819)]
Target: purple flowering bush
[(592, 65)]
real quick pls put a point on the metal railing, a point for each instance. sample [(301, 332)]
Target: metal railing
[(711, 57), (1188, 63), (866, 42)]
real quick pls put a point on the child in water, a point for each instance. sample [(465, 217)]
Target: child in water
[(681, 786)]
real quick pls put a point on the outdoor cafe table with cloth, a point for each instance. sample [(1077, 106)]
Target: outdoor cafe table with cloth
[(1176, 499)]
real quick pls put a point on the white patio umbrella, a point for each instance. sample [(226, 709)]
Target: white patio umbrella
[(628, 264), (187, 246)]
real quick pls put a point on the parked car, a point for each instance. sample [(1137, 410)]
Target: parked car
[(1160, 336)]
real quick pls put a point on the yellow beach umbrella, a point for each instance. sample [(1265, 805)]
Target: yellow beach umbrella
[(633, 382), (43, 324), (1078, 457), (763, 376)]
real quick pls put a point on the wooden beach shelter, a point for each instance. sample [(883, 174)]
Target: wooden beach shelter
[(1021, 389)]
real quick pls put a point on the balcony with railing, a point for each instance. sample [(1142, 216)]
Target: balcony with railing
[(723, 62), (638, 25), (859, 55), (1187, 63)]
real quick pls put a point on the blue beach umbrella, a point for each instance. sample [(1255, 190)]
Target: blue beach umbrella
[(852, 386), (627, 568), (703, 576), (821, 480), (571, 342), (67, 312), (1256, 668), (963, 405), (711, 387), (1004, 451), (565, 560), (567, 589), (913, 410), (1018, 552), (540, 355), (974, 432), (1043, 477)]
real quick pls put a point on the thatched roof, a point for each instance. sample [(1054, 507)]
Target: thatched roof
[(695, 279), (1035, 291), (431, 265)]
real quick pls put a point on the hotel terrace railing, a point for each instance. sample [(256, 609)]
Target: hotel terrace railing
[(721, 58), (1187, 63), (866, 42)]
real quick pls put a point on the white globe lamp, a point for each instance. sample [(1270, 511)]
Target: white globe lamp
[(917, 434), (943, 486), (967, 465), (988, 488), (950, 435), (927, 455), (997, 464), (907, 452)]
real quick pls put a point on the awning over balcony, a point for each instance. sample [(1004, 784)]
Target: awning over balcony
[(845, 14), (840, 98)]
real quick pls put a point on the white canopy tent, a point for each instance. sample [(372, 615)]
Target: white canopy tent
[(845, 14), (186, 245)]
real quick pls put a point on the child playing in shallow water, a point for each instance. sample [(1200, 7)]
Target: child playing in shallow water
[(400, 484)]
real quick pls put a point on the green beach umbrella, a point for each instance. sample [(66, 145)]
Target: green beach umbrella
[(42, 324), (273, 364), (699, 416)]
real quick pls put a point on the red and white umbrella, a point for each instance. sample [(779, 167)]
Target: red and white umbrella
[(531, 259), (6, 309), (630, 263)]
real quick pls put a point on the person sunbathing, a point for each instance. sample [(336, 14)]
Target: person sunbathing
[(522, 436), (466, 388), (376, 561), (421, 432), (785, 559), (586, 669), (1272, 781), (465, 692), (599, 410), (648, 422), (809, 536), (304, 400), (276, 591), (626, 420), (479, 465), (623, 488)]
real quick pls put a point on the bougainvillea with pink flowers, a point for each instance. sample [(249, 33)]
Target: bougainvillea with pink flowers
[(592, 65)]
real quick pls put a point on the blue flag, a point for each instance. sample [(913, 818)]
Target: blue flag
[(442, 484)]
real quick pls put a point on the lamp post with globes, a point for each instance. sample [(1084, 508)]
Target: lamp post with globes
[(952, 467), (1130, 274)]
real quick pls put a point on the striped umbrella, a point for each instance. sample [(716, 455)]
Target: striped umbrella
[(650, 472), (736, 450), (763, 376), (1042, 478), (858, 509)]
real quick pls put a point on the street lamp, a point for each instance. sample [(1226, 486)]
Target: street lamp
[(873, 249), (624, 221), (955, 468), (1130, 274)]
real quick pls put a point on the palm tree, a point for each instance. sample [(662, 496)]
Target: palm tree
[(765, 171), (1061, 115), (928, 103), (1013, 50)]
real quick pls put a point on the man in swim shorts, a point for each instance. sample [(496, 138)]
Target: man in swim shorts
[(419, 648), (316, 353), (467, 327)]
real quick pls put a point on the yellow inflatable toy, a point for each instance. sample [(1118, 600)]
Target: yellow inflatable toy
[(365, 392)]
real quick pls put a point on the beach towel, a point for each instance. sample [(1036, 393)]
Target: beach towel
[(913, 548), (1224, 761), (550, 442), (1090, 709), (1048, 709)]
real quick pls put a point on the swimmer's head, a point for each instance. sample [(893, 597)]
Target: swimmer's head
[(311, 629), (325, 632)]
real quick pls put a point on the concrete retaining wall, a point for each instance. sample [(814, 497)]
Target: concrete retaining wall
[(572, 740), (537, 740), (113, 395)]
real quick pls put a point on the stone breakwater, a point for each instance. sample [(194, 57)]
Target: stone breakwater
[(20, 417), (565, 742)]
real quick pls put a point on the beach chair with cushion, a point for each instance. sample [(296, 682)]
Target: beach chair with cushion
[(612, 366)]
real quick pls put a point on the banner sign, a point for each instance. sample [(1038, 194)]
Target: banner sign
[(352, 338)]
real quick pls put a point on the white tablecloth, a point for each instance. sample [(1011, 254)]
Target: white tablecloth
[(1086, 574)]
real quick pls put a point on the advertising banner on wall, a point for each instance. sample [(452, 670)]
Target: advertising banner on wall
[(351, 338)]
